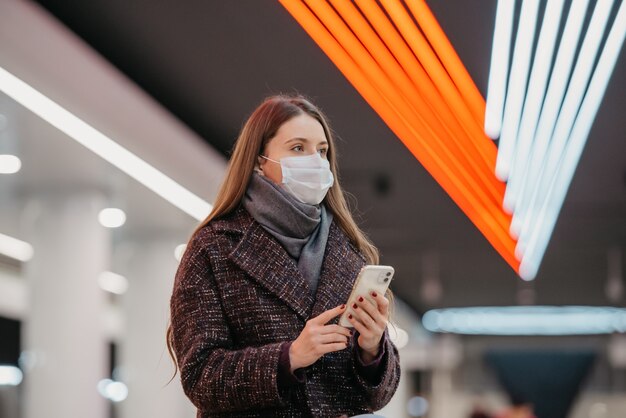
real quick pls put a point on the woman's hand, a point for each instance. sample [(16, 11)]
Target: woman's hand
[(317, 339), (370, 320)]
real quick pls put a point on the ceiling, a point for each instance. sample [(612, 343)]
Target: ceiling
[(211, 62), (71, 167)]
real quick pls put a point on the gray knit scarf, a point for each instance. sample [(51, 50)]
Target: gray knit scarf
[(301, 228)]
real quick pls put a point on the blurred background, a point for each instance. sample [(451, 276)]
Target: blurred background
[(91, 234)]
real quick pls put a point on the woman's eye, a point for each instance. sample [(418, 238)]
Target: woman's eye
[(323, 151), (297, 148)]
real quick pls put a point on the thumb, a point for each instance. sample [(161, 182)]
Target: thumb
[(326, 316)]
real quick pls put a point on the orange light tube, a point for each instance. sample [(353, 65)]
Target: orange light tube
[(444, 49), (415, 71), (422, 118), (461, 146), (419, 134), (439, 75)]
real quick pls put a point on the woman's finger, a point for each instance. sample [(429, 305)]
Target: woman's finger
[(326, 316), (332, 338), (371, 313), (338, 329), (382, 303), (357, 324)]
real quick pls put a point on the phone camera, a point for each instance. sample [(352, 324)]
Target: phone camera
[(388, 273), (386, 279)]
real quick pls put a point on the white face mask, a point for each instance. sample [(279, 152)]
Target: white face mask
[(308, 178)]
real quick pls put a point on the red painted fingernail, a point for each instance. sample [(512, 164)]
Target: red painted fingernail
[(343, 306), (374, 294), (361, 299), (354, 306), (350, 316)]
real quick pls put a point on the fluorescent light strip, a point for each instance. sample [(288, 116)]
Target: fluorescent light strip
[(567, 115), (9, 164), (550, 110), (517, 87), (103, 146), (15, 248), (113, 283), (534, 99), (580, 132), (10, 375), (527, 320), (499, 67)]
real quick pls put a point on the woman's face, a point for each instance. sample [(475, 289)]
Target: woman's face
[(300, 135)]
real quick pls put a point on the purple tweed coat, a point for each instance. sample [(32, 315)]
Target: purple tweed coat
[(238, 297)]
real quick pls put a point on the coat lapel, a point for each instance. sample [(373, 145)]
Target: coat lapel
[(262, 257)]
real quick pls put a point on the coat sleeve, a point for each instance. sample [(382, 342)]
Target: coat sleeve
[(381, 391), (213, 375)]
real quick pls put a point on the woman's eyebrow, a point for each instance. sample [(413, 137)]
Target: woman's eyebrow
[(305, 140)]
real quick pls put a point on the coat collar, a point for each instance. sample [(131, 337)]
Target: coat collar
[(260, 255)]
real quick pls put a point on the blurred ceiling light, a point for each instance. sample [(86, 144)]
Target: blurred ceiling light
[(527, 320), (396, 55), (112, 217), (103, 146), (112, 282), (15, 248), (417, 406), (112, 390), (10, 375), (9, 164), (545, 126), (179, 251)]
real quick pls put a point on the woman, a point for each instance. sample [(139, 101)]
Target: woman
[(259, 290)]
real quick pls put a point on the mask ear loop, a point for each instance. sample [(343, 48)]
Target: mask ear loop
[(257, 167), (274, 161)]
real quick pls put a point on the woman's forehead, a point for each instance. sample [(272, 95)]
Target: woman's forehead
[(304, 128)]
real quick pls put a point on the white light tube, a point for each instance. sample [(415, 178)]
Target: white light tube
[(499, 67), (15, 248), (534, 99), (517, 87), (550, 110), (567, 115), (580, 132), (103, 146), (584, 121), (527, 320)]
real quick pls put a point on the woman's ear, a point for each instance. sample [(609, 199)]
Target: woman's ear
[(259, 163)]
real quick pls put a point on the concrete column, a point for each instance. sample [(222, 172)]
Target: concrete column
[(65, 347), (444, 401), (145, 362)]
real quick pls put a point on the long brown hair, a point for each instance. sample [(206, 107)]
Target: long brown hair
[(258, 130)]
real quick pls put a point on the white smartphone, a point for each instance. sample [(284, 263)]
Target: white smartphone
[(371, 278)]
